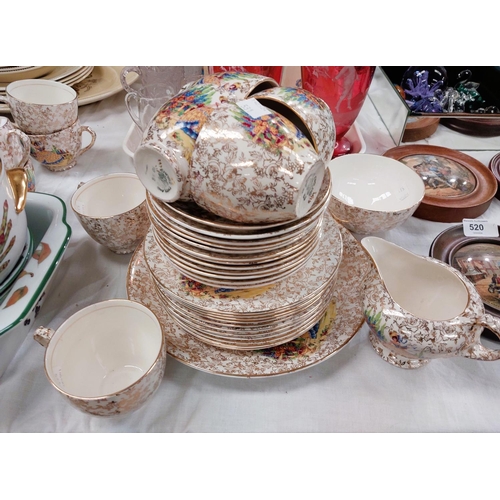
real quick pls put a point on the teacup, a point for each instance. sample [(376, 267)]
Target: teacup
[(112, 210), (252, 165), (143, 103), (233, 86), (15, 150), (60, 151), (41, 106), (108, 358), (162, 160), (174, 76), (309, 113), (275, 72)]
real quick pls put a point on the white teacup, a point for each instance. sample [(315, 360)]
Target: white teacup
[(108, 358), (112, 210), (41, 106)]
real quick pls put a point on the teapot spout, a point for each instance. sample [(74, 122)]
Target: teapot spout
[(18, 181)]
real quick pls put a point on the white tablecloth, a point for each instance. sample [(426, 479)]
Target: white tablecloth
[(353, 391)]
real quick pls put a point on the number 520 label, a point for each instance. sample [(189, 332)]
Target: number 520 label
[(479, 227)]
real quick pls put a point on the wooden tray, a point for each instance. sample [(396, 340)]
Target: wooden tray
[(494, 166), (457, 185), (476, 258)]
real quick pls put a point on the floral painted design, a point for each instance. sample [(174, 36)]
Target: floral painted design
[(200, 290), (235, 85), (59, 151), (271, 131), (302, 96), (309, 342), (253, 363), (310, 113), (53, 156), (5, 230), (185, 111), (259, 177), (374, 321)]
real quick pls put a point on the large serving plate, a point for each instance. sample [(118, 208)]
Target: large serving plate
[(338, 326), (46, 215), (12, 73)]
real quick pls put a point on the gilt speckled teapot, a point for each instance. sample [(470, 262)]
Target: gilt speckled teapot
[(13, 225)]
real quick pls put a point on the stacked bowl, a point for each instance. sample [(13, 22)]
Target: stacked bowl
[(242, 249)]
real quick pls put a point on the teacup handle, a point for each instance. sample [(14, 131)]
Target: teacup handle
[(123, 76), (132, 103), (25, 141), (43, 335), (477, 350), (86, 128)]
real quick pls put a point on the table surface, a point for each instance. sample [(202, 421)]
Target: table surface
[(353, 391)]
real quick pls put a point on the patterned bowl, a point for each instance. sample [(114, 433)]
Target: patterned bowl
[(253, 165), (371, 194), (163, 157), (310, 113)]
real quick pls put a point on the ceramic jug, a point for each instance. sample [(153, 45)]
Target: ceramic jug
[(14, 227), (419, 308)]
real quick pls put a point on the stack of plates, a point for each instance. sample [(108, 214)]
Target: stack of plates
[(228, 254), (70, 75), (10, 74), (254, 318)]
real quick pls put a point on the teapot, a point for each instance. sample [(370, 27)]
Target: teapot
[(419, 308), (13, 225)]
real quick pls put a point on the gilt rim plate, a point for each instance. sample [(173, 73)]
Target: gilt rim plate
[(341, 322)]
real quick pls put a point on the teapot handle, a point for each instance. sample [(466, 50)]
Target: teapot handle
[(18, 180), (477, 350)]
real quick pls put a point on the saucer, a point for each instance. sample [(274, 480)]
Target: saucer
[(340, 323)]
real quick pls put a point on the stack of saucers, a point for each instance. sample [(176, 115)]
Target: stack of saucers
[(261, 316), (223, 253)]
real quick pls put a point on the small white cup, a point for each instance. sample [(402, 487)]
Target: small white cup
[(112, 210), (41, 106), (108, 358)]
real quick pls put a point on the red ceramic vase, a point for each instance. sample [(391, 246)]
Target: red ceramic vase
[(273, 72), (344, 89)]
